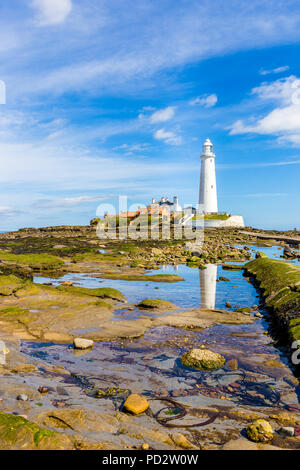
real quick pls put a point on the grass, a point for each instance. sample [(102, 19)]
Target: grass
[(211, 217)]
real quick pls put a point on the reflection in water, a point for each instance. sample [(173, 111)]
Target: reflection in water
[(208, 282)]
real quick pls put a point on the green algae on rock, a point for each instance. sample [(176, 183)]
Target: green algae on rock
[(260, 431), (144, 277), (156, 303), (17, 433), (36, 261), (203, 359), (280, 283), (102, 292)]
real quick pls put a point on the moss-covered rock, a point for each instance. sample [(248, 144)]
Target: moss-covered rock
[(101, 292), (156, 303), (17, 433), (203, 359), (144, 277), (36, 261), (11, 284), (279, 282), (260, 431)]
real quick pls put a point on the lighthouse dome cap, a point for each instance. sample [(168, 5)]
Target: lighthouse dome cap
[(207, 142)]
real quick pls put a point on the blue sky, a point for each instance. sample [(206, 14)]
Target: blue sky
[(107, 98)]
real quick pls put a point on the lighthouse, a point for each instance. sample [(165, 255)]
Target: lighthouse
[(208, 202)]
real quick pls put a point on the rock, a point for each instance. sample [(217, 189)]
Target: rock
[(233, 364), (258, 315), (145, 446), (225, 279), (82, 343), (181, 441), (228, 304), (260, 431), (67, 283), (202, 359), (94, 221), (43, 390), (22, 397), (136, 404), (287, 431), (156, 303), (156, 251), (59, 247), (245, 310)]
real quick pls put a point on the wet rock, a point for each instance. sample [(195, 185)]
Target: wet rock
[(82, 343), (287, 431), (136, 404), (67, 283), (260, 431), (225, 279), (228, 304), (22, 397), (258, 315), (233, 364), (203, 359), (156, 303), (245, 310), (16, 433), (181, 441)]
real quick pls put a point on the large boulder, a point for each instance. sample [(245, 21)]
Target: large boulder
[(203, 359)]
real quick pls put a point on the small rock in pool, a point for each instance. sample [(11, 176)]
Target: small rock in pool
[(67, 283), (228, 304), (287, 431), (203, 359), (82, 343), (22, 397), (136, 404), (258, 315)]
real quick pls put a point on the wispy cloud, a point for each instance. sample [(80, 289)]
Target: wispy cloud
[(282, 69), (6, 211), (208, 101), (51, 12), (162, 115), (168, 137), (67, 201)]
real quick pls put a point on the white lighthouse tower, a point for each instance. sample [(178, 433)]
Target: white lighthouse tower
[(208, 202)]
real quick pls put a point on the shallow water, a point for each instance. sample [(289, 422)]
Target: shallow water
[(150, 365)]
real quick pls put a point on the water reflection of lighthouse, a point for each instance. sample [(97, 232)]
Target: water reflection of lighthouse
[(208, 282)]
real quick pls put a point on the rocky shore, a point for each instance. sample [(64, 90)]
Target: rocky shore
[(44, 405)]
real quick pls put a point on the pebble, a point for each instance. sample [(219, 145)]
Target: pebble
[(42, 389), (82, 343), (22, 397), (258, 315), (287, 431)]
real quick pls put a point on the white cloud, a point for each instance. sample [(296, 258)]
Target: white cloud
[(51, 12), (67, 201), (168, 137), (208, 101), (162, 115), (284, 120), (282, 69)]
